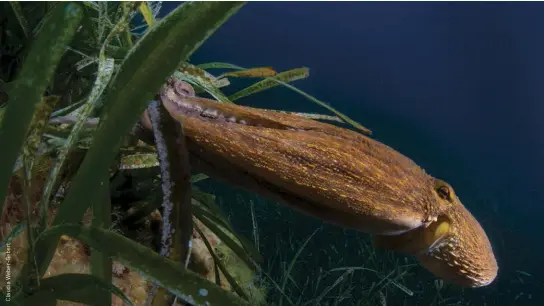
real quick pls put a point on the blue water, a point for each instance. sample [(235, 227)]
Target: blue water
[(457, 87)]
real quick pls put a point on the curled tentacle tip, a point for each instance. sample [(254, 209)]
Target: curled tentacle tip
[(183, 88)]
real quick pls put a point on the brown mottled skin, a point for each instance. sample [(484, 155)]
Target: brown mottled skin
[(339, 176)]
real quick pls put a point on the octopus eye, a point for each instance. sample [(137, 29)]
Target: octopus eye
[(444, 192)]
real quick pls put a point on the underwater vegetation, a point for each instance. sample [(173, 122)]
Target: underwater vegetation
[(99, 187)]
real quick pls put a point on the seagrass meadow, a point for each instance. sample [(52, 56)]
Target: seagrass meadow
[(101, 202)]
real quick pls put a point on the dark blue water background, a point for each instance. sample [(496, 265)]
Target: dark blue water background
[(457, 87)]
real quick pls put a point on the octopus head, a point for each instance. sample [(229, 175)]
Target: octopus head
[(451, 244)]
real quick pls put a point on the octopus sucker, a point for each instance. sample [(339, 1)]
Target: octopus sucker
[(210, 113), (355, 182)]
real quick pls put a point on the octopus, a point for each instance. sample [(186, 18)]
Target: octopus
[(337, 175)]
